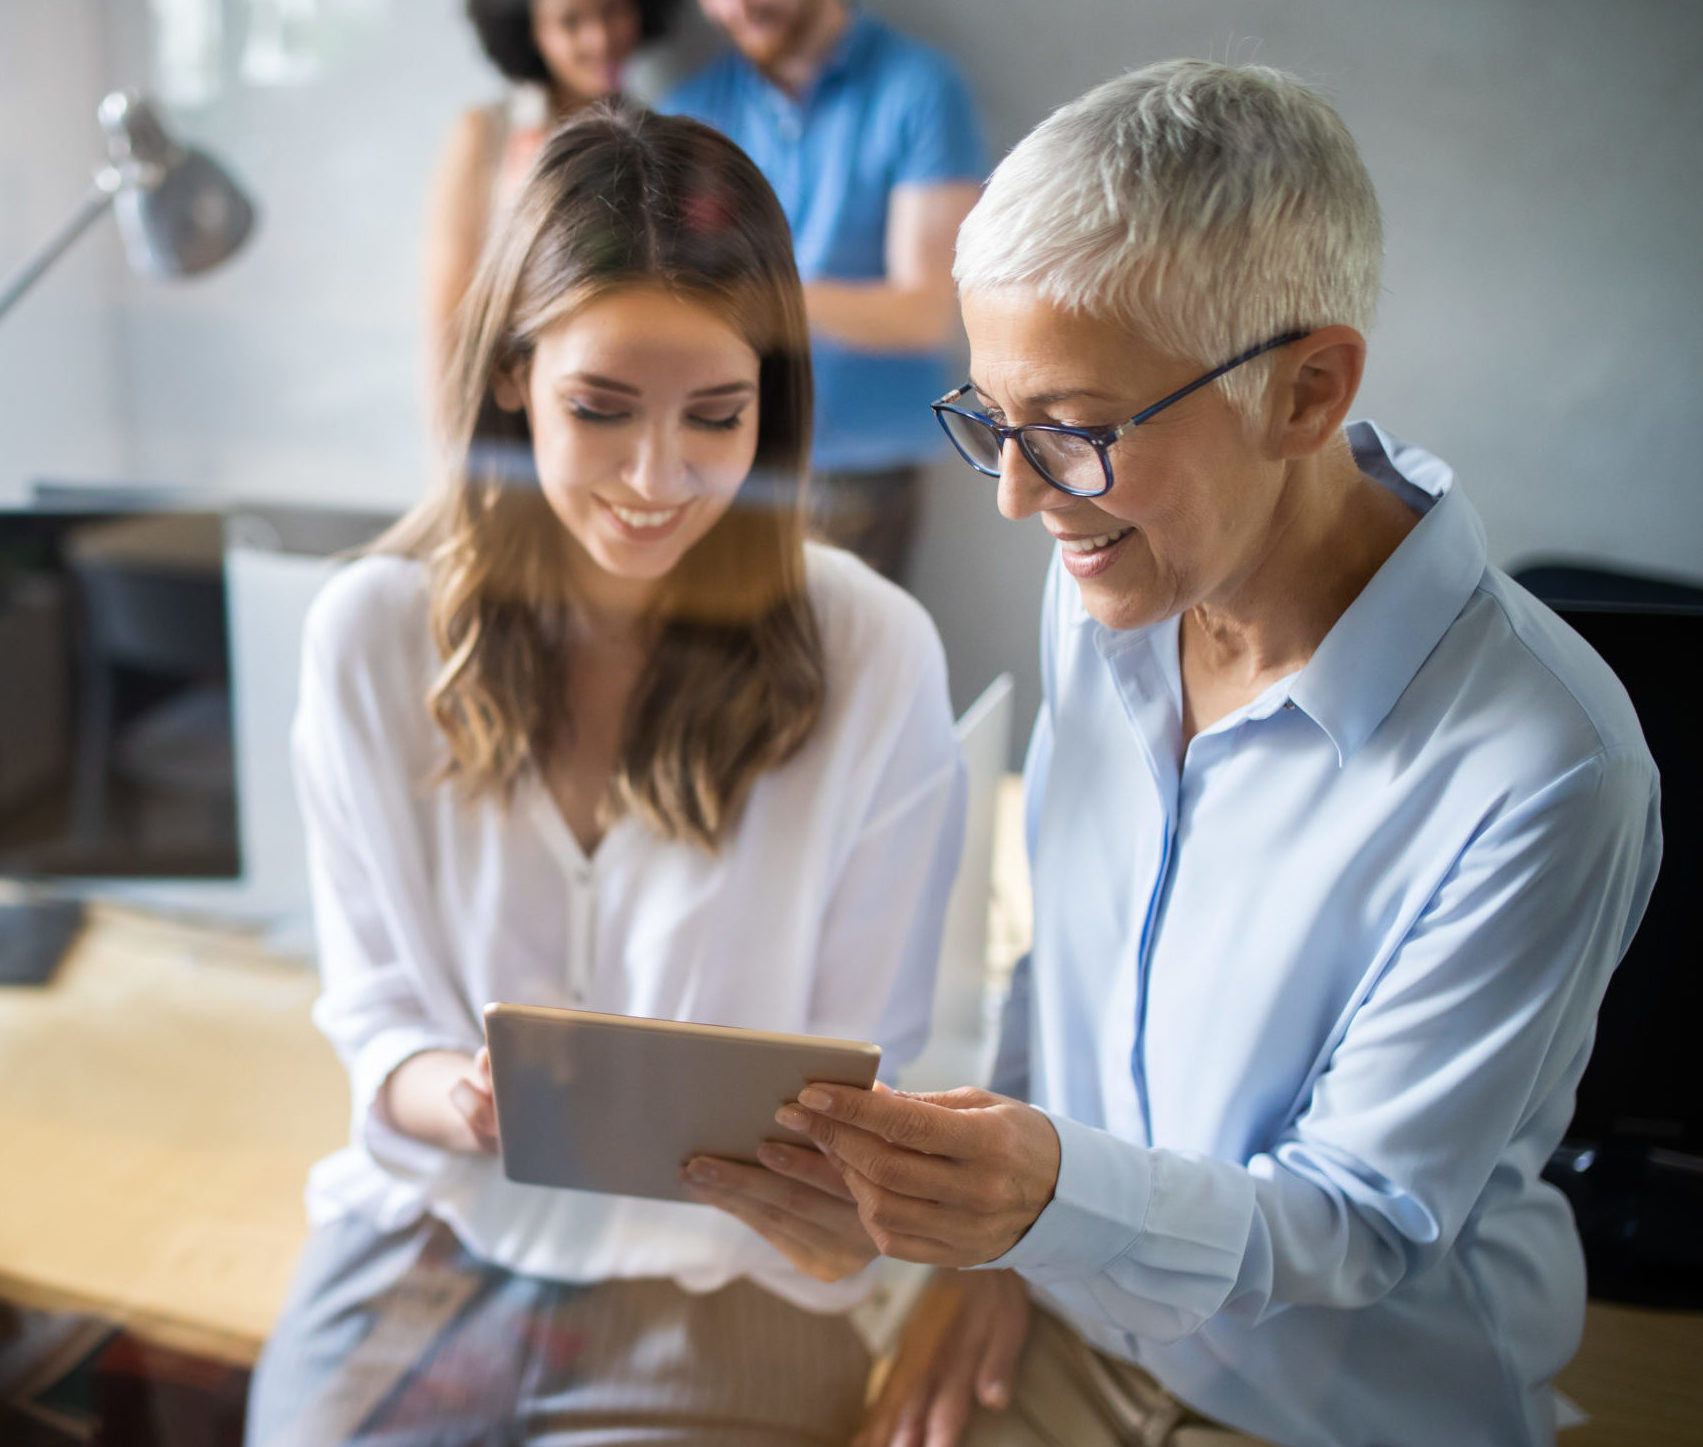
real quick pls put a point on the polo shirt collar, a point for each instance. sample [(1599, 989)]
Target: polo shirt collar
[(1373, 651)]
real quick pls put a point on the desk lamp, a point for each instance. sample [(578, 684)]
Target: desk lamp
[(179, 211)]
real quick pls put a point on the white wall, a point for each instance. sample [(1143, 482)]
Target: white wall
[(62, 391), (294, 372), (1539, 163)]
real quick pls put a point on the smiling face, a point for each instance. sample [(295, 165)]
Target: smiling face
[(585, 43), (643, 409), (1195, 496)]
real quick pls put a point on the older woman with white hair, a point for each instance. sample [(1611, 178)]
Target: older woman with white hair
[(1337, 835)]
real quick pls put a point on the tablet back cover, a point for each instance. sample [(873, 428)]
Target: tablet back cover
[(607, 1103)]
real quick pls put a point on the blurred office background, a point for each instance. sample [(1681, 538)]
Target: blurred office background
[(1538, 162)]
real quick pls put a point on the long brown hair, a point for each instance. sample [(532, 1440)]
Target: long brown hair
[(734, 682)]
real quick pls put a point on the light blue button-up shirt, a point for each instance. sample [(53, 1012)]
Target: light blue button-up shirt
[(1309, 998), (884, 112)]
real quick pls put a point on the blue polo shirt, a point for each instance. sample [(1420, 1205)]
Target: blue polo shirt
[(885, 112)]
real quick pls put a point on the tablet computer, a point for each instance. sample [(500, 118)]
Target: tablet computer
[(619, 1103)]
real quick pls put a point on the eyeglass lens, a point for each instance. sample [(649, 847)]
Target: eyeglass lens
[(1065, 459), (979, 445), (1060, 457)]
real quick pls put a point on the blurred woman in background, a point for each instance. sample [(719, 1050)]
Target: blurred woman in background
[(560, 55)]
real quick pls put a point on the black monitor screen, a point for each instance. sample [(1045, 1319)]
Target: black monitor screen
[(1643, 1081), (116, 751)]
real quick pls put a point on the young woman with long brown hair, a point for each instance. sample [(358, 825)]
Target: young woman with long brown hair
[(595, 727)]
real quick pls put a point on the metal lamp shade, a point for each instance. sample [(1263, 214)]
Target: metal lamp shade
[(189, 221), (179, 211)]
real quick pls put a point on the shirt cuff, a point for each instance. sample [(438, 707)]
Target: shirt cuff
[(1167, 1232), (1098, 1210)]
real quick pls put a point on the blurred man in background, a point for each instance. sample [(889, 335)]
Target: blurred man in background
[(872, 144)]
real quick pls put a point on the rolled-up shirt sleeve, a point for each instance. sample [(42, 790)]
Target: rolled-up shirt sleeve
[(1479, 1014)]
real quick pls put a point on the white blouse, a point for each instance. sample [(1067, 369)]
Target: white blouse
[(821, 914)]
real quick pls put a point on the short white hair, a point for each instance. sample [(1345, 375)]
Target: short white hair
[(1208, 208)]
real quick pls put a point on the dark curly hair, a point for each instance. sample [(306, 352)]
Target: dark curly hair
[(505, 31)]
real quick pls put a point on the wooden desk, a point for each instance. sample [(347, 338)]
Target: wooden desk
[(1638, 1375), (160, 1104)]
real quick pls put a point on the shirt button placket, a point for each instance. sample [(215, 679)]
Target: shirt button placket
[(582, 935)]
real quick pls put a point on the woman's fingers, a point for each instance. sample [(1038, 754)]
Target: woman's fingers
[(473, 1101), (953, 1396), (1008, 1332), (819, 1253), (798, 1195), (964, 1168), (929, 1394), (807, 1165), (980, 1326), (818, 1231)]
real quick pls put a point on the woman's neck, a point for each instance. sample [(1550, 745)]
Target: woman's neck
[(611, 628), (611, 612), (1337, 529)]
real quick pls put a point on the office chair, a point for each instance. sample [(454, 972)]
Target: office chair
[(1632, 1162)]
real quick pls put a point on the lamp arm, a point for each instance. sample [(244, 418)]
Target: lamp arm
[(100, 195)]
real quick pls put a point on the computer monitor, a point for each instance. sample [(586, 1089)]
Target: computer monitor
[(116, 741), (207, 659)]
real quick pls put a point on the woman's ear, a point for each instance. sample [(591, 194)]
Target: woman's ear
[(508, 389), (1319, 379)]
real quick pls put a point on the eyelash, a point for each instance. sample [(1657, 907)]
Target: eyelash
[(581, 413)]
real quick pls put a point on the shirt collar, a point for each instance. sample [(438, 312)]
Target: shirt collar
[(1371, 654), (1373, 651)]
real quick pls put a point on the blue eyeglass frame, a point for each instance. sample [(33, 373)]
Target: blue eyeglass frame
[(1100, 438)]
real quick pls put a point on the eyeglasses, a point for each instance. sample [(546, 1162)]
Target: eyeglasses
[(1072, 459)]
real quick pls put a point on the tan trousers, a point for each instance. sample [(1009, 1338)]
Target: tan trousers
[(1069, 1395)]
